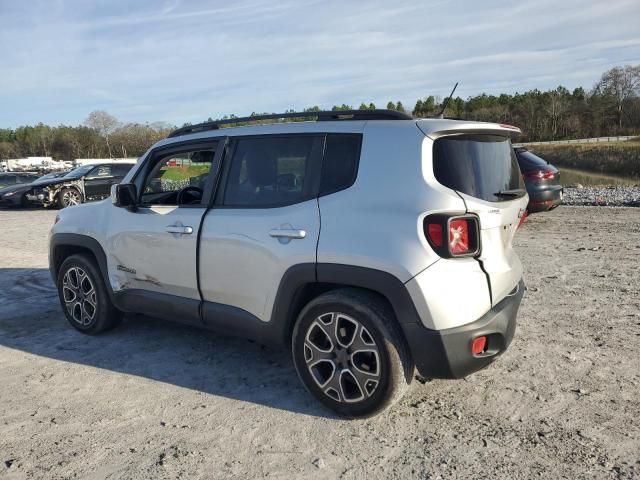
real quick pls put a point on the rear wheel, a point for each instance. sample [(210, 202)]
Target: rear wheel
[(84, 296), (69, 197), (350, 353)]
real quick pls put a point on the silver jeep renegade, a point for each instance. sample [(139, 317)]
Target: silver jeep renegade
[(369, 243)]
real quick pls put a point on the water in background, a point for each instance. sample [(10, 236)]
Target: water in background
[(570, 176)]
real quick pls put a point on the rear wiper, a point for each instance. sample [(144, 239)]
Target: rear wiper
[(516, 192)]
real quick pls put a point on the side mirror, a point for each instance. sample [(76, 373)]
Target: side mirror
[(124, 195)]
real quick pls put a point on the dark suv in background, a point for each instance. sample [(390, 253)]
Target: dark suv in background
[(542, 181), (84, 184), (13, 178)]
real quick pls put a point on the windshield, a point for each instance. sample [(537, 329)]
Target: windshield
[(79, 172), (482, 166)]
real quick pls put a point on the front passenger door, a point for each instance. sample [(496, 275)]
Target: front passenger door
[(97, 183), (152, 251)]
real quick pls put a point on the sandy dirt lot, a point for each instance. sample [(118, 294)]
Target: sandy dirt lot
[(156, 400)]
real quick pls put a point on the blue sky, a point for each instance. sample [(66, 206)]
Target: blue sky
[(179, 61)]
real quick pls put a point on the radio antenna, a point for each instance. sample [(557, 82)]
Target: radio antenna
[(446, 102)]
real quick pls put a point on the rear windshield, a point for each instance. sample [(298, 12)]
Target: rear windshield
[(482, 166), (527, 160)]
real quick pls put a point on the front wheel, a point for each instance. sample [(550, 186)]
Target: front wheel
[(68, 197), (350, 354), (84, 297)]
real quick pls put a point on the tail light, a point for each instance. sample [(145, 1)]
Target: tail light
[(540, 175), (453, 236)]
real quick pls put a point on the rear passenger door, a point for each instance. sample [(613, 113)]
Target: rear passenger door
[(264, 221)]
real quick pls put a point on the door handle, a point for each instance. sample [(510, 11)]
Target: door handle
[(287, 233), (181, 229)]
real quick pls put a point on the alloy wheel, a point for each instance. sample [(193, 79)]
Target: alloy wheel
[(79, 296), (342, 358), (70, 197)]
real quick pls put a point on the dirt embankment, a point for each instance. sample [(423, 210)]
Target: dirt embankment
[(156, 400)]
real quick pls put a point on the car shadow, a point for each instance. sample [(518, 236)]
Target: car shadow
[(31, 321)]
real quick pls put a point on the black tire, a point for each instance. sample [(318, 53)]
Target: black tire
[(78, 308), (69, 196), (378, 330)]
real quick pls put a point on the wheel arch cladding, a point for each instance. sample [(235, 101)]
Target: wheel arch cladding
[(302, 283), (56, 188), (62, 245)]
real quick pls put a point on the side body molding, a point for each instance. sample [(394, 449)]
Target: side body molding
[(299, 284)]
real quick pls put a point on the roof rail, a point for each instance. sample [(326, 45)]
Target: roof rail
[(318, 116)]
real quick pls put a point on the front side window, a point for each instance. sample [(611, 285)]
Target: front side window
[(178, 178), (271, 171), (101, 171)]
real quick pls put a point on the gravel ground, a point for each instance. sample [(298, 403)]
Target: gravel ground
[(603, 196), (156, 400)]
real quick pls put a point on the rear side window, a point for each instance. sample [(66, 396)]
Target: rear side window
[(272, 171), (340, 162), (122, 169), (482, 166)]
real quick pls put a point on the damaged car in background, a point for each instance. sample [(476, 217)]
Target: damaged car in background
[(84, 184), (15, 195)]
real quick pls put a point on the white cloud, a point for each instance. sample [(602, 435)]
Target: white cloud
[(187, 60)]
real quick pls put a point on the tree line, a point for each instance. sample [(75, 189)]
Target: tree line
[(611, 107)]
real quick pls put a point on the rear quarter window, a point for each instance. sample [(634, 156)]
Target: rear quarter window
[(340, 162), (480, 166)]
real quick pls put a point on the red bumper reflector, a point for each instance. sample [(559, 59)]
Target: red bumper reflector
[(479, 345)]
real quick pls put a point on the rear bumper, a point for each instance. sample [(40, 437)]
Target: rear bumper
[(543, 200), (447, 353)]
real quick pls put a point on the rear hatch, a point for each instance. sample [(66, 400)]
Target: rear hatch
[(482, 168)]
